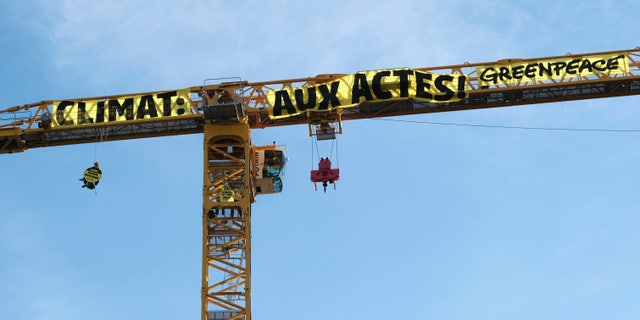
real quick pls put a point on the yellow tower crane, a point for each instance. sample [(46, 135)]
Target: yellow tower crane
[(235, 171)]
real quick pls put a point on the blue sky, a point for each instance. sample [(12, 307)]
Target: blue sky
[(427, 222)]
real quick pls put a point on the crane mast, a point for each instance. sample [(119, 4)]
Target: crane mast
[(226, 222), (235, 171)]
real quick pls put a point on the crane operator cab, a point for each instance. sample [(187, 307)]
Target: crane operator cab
[(268, 164), (92, 176)]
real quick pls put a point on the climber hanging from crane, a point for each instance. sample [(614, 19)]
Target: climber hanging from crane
[(92, 176)]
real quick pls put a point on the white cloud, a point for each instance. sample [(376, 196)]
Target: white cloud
[(150, 45)]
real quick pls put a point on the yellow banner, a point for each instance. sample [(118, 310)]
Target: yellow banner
[(553, 69), (369, 86), (122, 109)]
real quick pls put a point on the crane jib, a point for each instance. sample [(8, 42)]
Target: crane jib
[(125, 108), (377, 85)]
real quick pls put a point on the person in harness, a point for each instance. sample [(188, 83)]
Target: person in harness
[(92, 176)]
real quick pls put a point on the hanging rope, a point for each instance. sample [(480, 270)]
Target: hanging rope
[(314, 144), (331, 150), (337, 155), (95, 152), (313, 140), (104, 135)]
